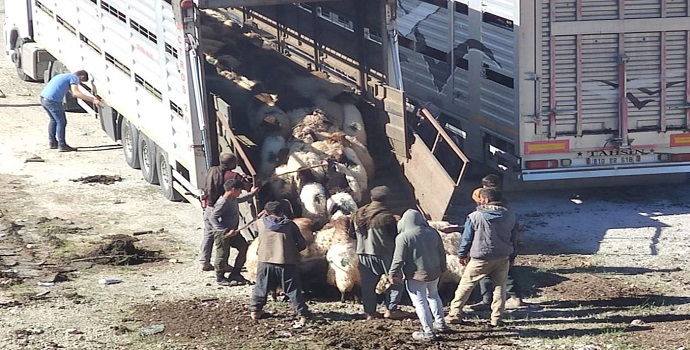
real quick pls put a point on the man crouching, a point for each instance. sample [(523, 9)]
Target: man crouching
[(280, 242)]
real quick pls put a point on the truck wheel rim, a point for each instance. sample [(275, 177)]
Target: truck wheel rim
[(129, 147), (146, 157), (164, 176)]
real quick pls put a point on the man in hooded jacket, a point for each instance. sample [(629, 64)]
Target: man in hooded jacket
[(280, 242), (375, 230), (420, 256), (489, 241)]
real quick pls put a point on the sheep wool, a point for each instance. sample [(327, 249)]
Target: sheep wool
[(272, 116), (296, 116), (351, 178), (313, 199), (453, 273), (357, 170), (353, 125), (360, 150), (311, 87), (283, 183), (270, 149), (340, 204), (252, 263), (343, 267), (332, 110), (333, 233), (304, 225), (297, 160)]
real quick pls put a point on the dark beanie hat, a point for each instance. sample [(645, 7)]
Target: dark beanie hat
[(379, 193)]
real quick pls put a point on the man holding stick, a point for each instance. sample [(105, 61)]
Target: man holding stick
[(225, 220)]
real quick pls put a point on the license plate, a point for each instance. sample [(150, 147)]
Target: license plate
[(613, 160)]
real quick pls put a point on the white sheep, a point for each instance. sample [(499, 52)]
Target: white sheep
[(283, 184), (333, 111), (296, 116), (270, 150), (356, 168), (334, 232), (365, 159), (353, 124), (343, 267), (352, 173), (340, 204), (271, 119), (313, 198), (314, 127)]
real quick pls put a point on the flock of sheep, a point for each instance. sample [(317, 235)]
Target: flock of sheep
[(313, 148)]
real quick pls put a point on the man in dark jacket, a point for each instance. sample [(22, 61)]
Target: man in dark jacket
[(375, 230), (213, 190), (488, 242), (225, 220), (280, 242), (420, 256)]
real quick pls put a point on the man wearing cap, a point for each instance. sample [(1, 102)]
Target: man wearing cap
[(213, 190), (489, 242), (225, 220), (375, 229)]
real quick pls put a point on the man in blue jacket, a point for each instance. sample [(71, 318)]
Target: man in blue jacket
[(51, 100), (488, 242)]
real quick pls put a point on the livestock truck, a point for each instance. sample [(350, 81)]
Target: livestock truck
[(167, 105), (547, 90)]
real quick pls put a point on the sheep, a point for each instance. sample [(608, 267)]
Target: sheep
[(451, 277), (353, 184), (296, 116), (353, 125), (270, 151), (332, 110), (282, 182), (356, 168), (312, 87), (304, 225), (210, 46), (252, 262), (314, 127), (269, 118), (348, 157), (340, 204), (365, 159), (298, 159), (227, 62), (343, 267), (313, 199), (334, 232)]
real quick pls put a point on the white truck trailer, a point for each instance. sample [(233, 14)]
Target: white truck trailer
[(145, 63), (555, 89)]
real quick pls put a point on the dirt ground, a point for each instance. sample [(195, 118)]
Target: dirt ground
[(601, 268)]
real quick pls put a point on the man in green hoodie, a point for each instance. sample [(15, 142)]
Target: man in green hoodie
[(280, 242), (375, 230)]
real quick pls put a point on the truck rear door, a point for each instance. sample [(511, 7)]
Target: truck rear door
[(611, 89)]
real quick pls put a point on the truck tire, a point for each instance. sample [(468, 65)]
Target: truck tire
[(165, 177), (17, 59), (129, 137), (147, 159)]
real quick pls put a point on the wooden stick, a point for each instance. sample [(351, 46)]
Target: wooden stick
[(261, 214), (300, 169)]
